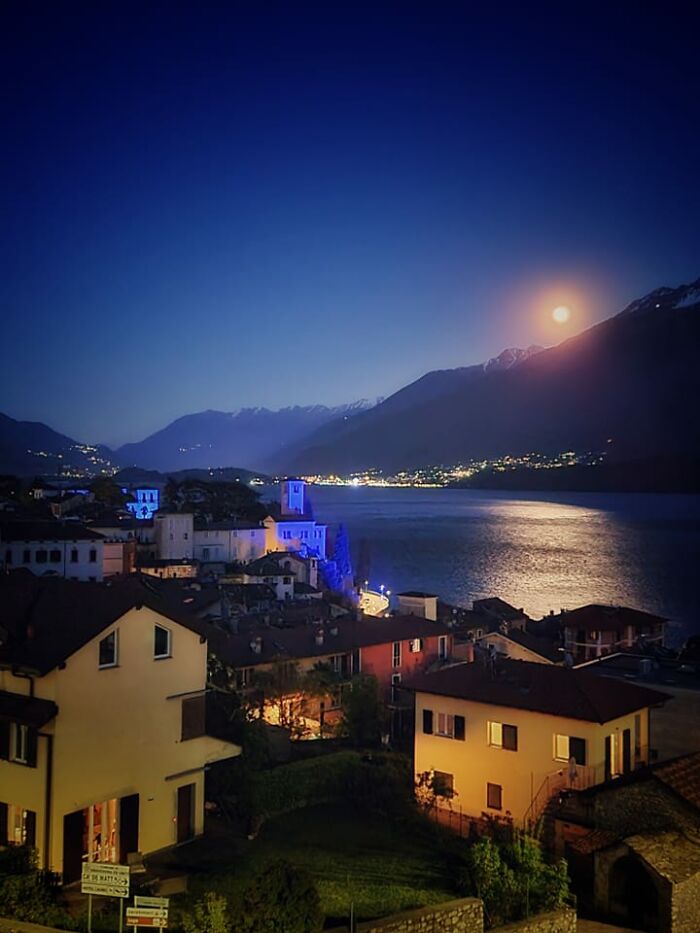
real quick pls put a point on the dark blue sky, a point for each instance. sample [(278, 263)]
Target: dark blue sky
[(215, 205)]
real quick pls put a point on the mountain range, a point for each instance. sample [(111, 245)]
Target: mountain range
[(627, 386)]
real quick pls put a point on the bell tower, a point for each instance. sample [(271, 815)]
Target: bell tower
[(292, 496)]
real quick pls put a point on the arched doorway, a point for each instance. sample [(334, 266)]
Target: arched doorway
[(633, 896)]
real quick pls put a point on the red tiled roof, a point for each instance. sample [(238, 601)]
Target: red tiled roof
[(597, 618), (542, 688), (682, 775)]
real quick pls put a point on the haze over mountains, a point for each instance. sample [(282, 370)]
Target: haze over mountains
[(628, 386)]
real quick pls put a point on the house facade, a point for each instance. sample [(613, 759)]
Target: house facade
[(124, 772), (501, 739), (593, 631), (64, 549)]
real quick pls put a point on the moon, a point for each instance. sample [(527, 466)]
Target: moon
[(561, 314)]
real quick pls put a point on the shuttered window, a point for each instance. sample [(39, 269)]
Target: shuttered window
[(193, 717), (459, 728), (428, 721)]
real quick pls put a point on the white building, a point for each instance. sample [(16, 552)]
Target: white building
[(174, 535), (53, 548), (226, 542), (295, 529)]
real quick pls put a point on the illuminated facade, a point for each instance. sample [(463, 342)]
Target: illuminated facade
[(146, 504), (124, 772), (501, 740)]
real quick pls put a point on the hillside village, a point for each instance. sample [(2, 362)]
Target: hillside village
[(187, 672)]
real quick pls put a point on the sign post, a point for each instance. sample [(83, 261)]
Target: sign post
[(107, 880)]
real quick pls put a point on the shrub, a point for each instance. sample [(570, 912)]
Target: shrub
[(209, 915), (281, 899), (29, 897)]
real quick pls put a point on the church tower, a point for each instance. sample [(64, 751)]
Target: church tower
[(293, 496)]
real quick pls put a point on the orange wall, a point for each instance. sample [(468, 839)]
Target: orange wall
[(377, 659)]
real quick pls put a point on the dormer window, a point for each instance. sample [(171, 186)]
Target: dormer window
[(161, 642), (108, 650)]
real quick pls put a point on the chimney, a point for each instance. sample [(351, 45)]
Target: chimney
[(256, 645)]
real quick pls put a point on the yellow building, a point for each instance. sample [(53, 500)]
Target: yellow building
[(503, 736), (102, 728)]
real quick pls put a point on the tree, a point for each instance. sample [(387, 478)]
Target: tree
[(281, 899), (363, 718), (108, 493)]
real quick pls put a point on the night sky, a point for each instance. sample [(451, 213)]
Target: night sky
[(222, 205)]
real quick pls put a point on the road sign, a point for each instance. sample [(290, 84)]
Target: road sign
[(105, 879), (140, 900), (147, 917)]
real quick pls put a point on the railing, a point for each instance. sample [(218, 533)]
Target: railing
[(566, 778)]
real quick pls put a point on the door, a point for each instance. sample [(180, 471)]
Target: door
[(185, 812), (73, 826), (128, 826), (626, 751)]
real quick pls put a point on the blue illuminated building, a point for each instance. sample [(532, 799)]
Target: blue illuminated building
[(147, 502)]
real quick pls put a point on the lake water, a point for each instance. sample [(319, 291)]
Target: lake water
[(536, 550)]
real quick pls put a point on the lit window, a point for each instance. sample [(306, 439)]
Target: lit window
[(568, 746), (503, 736), (108, 650), (494, 796), (445, 725), (415, 645), (161, 644)]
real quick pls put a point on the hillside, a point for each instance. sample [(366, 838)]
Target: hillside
[(623, 386)]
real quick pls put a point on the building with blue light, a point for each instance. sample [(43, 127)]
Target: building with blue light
[(147, 501)]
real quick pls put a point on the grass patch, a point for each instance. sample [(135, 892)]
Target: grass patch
[(382, 867)]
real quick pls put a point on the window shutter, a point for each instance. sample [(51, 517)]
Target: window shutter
[(31, 747), (4, 741), (30, 828), (626, 751), (193, 717), (577, 750), (428, 721), (3, 824), (510, 738), (459, 727), (608, 758)]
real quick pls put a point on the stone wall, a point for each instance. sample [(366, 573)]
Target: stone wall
[(556, 921), (463, 916), (685, 906), (466, 916)]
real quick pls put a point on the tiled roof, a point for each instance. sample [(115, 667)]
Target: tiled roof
[(300, 641), (46, 531), (543, 688), (494, 605), (593, 841), (49, 619), (597, 618), (542, 646), (682, 775)]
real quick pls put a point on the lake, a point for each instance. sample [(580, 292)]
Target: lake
[(538, 551)]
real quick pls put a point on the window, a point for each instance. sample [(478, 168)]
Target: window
[(445, 725), (161, 642), (194, 716), (8, 556), (26, 556), (41, 556), (74, 555), (396, 654), (567, 747), (93, 555), (442, 647), (19, 743), (108, 650), (55, 557), (503, 736), (415, 645), (494, 796), (443, 784), (21, 826), (395, 685), (185, 536), (428, 721)]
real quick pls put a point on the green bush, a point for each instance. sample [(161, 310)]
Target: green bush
[(281, 899), (28, 897), (208, 915)]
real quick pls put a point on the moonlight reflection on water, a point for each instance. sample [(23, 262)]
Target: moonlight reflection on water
[(537, 551)]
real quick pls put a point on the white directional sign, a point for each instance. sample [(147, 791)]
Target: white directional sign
[(147, 917), (140, 900), (105, 879)]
